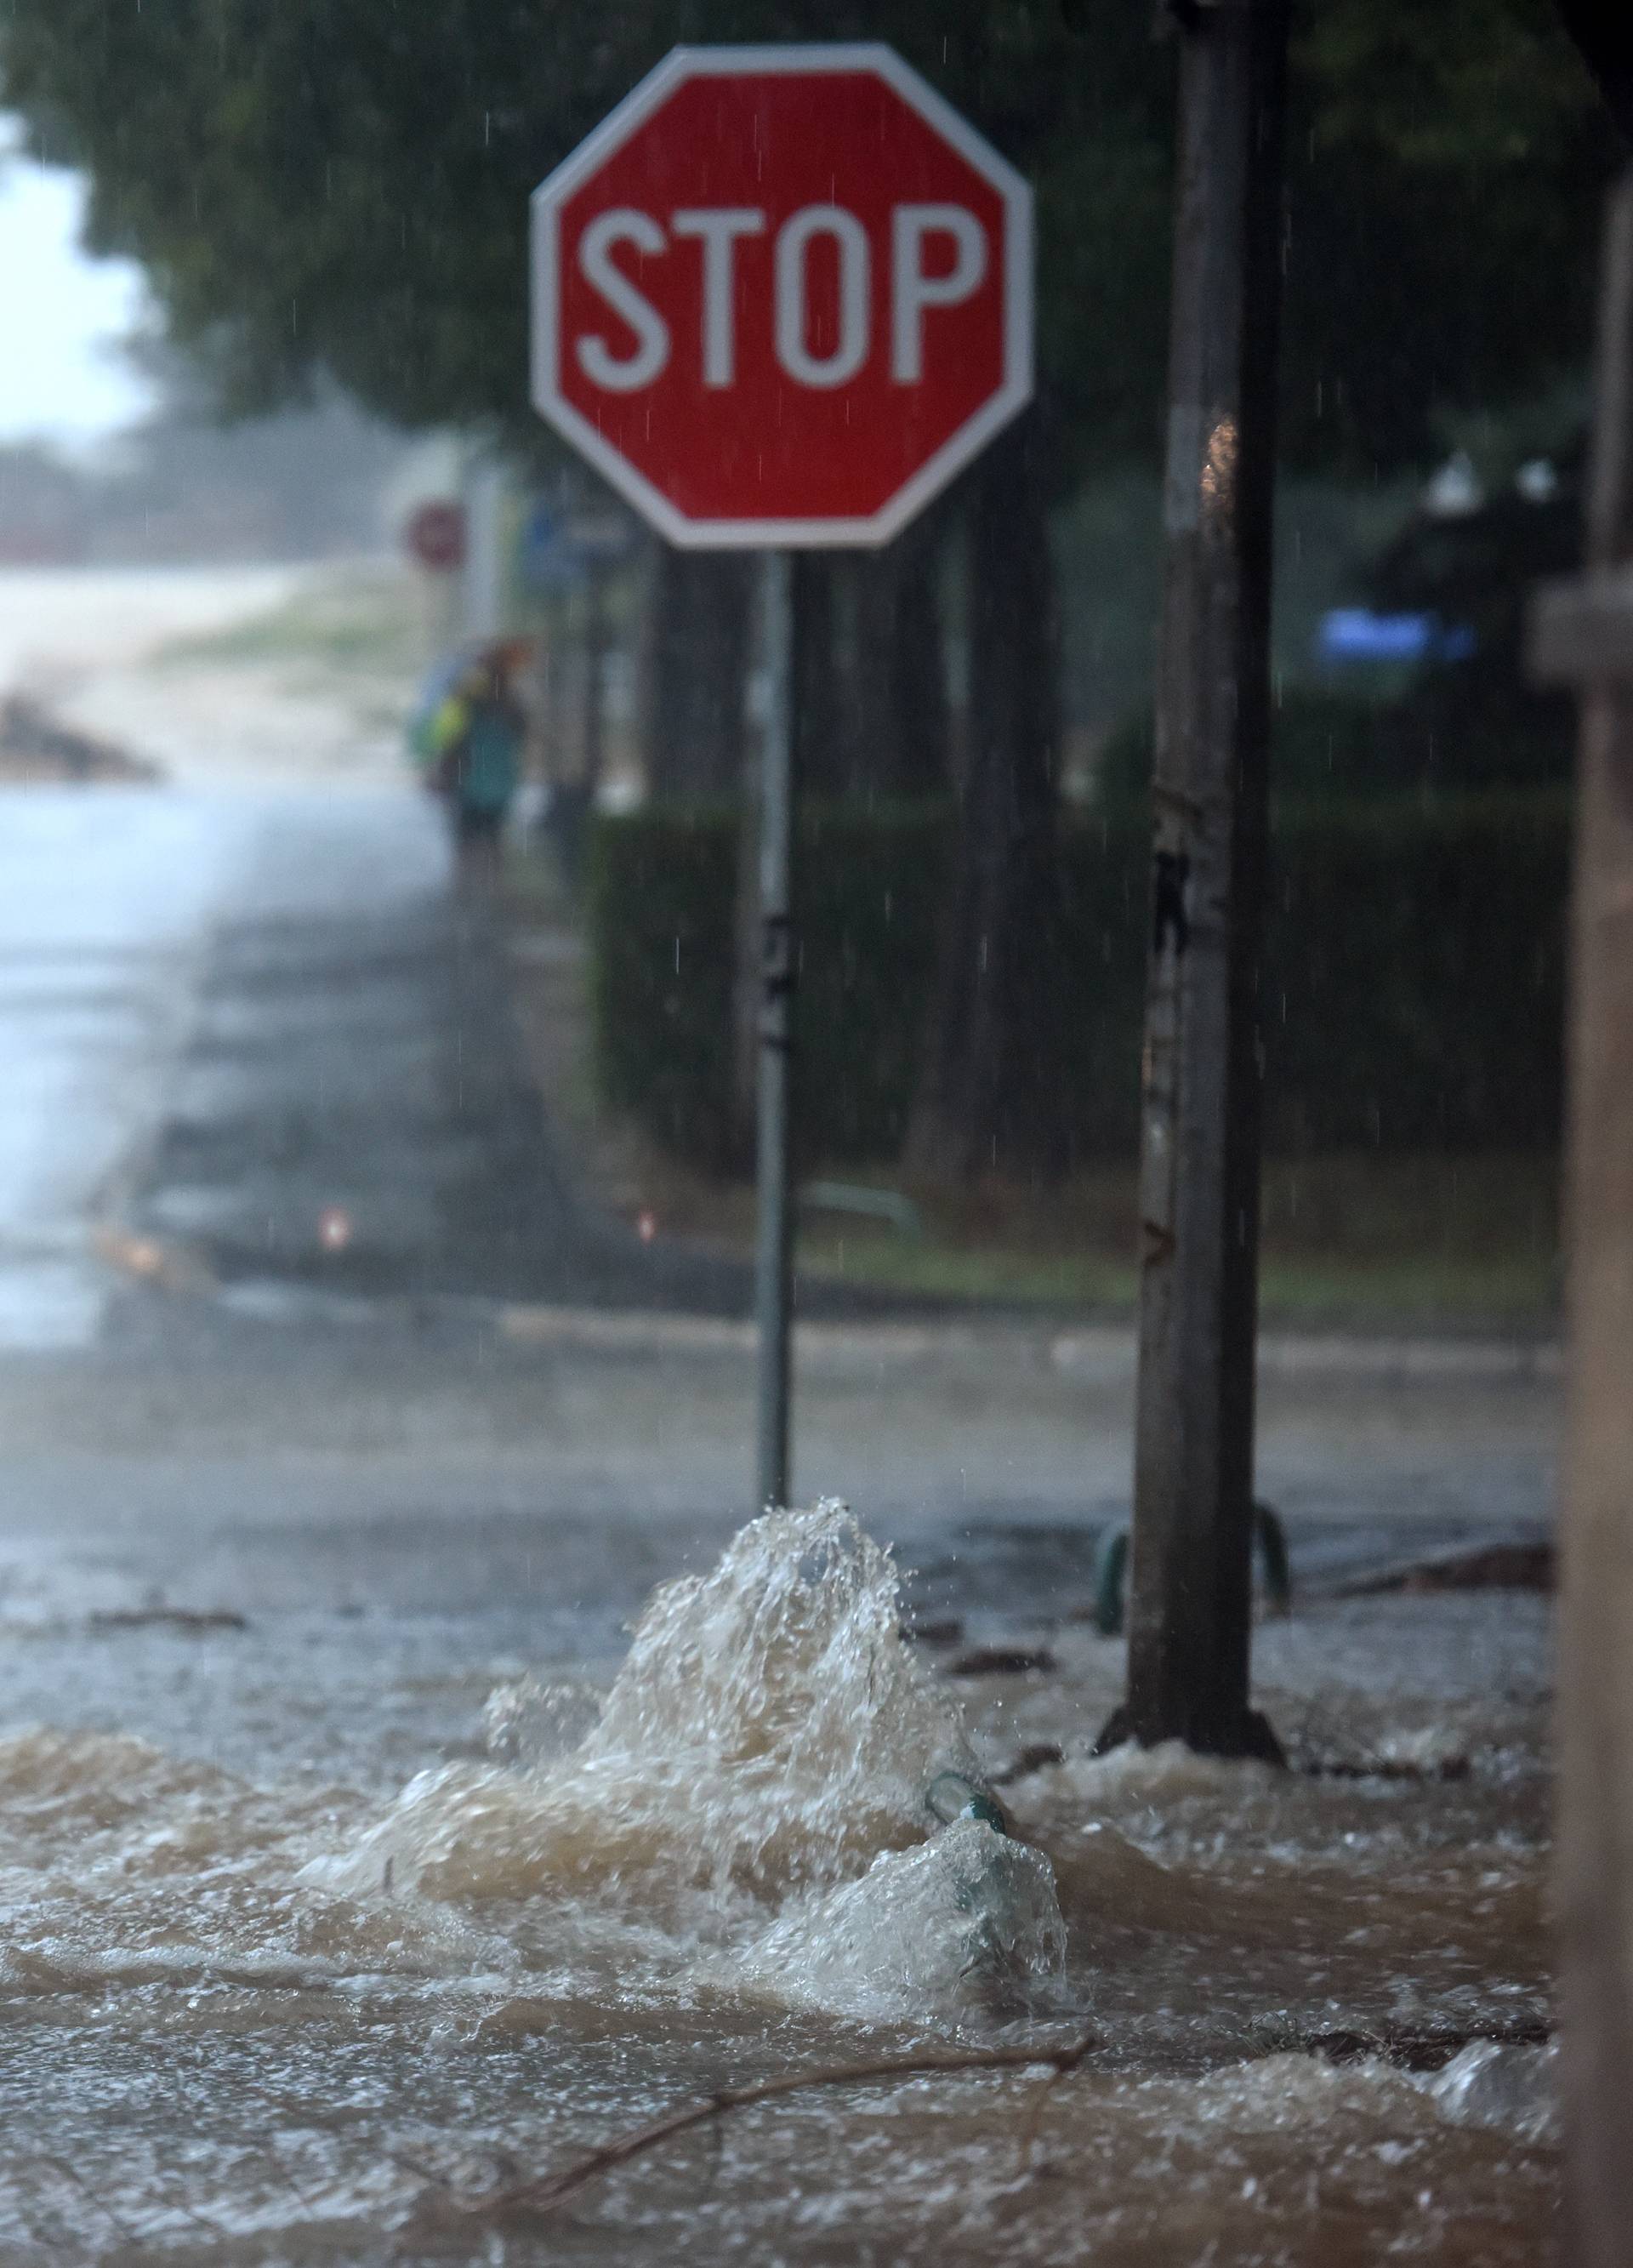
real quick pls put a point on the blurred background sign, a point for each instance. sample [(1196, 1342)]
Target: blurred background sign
[(561, 547), (1355, 634), (434, 536)]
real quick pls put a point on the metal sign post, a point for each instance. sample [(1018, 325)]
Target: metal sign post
[(1191, 1572), (780, 297), (774, 1275)]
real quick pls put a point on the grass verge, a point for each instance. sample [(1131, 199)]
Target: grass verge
[(355, 618)]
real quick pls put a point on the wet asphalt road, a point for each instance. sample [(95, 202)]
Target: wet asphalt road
[(351, 1053), (226, 1019)]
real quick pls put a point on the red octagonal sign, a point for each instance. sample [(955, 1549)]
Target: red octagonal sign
[(782, 295)]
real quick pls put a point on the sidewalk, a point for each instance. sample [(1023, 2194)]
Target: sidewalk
[(1102, 1352)]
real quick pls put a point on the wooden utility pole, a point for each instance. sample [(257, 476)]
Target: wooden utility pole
[(1191, 1582), (1583, 633)]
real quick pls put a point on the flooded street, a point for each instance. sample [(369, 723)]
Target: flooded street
[(816, 1136), (324, 1929), (358, 1867)]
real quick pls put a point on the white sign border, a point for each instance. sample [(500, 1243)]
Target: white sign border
[(1012, 395)]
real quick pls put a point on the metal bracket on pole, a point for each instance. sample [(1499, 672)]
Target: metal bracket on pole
[(774, 1255)]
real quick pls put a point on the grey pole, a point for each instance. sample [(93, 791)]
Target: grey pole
[(774, 1257), (1191, 1571), (594, 677)]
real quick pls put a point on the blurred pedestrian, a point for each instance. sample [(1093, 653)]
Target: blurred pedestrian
[(477, 738)]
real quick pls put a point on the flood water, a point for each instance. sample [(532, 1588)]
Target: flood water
[(284, 2007)]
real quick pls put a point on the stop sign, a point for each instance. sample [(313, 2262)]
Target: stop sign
[(782, 295)]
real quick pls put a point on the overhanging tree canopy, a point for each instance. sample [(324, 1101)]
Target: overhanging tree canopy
[(341, 185)]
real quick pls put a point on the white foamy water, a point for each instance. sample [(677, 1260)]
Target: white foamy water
[(300, 2022), (751, 1798)]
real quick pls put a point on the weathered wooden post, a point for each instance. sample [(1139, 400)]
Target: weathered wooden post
[(1191, 1584), (1582, 632)]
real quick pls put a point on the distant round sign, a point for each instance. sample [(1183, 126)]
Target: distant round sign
[(435, 536)]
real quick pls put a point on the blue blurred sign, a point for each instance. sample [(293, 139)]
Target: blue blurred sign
[(559, 548), (1357, 634), (547, 559)]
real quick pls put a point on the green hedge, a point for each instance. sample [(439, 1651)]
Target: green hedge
[(661, 896), (1414, 976), (1330, 746), (1411, 998)]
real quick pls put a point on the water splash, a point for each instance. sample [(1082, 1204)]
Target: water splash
[(1513, 2088), (754, 1777), (970, 1915)]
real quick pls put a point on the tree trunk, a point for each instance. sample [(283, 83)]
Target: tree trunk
[(990, 1097), (693, 732)]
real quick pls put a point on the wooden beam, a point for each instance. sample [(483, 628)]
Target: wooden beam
[(1580, 631), (1595, 1866)]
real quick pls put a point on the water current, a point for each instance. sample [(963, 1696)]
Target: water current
[(259, 2012)]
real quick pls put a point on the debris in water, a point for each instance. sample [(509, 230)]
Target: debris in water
[(1424, 2053), (1036, 1756), (1403, 1768), (1001, 1662), (937, 1629), (1493, 1567), (439, 2208), (195, 1620)]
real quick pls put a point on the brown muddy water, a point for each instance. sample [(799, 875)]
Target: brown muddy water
[(259, 2011)]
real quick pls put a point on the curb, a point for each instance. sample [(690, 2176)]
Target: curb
[(1098, 1353), (1349, 1354)]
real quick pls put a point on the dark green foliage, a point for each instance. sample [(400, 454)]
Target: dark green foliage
[(1446, 172), (1415, 980), (1412, 993), (342, 186), (1334, 748), (661, 910), (1479, 571), (660, 901), (872, 888)]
